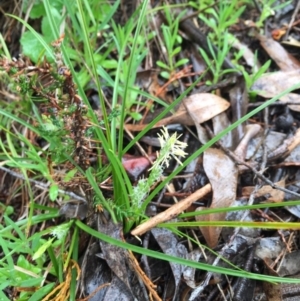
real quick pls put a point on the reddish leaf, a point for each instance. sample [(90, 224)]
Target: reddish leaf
[(135, 166)]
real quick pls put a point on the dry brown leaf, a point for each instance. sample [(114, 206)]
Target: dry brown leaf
[(204, 106), (276, 196), (222, 174), (284, 60), (271, 84)]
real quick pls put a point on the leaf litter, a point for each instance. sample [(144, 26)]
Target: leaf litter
[(216, 180)]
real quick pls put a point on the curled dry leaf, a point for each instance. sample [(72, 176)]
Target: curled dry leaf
[(204, 106), (222, 174), (123, 265)]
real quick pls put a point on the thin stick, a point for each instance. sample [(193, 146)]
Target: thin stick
[(172, 211)]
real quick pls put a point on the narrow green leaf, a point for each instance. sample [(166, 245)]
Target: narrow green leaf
[(181, 62), (233, 224), (175, 51), (43, 291), (42, 249), (162, 65), (185, 262)]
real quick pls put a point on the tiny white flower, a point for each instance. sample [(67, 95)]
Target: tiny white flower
[(171, 146), (61, 231)]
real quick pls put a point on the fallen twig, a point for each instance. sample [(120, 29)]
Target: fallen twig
[(172, 212)]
